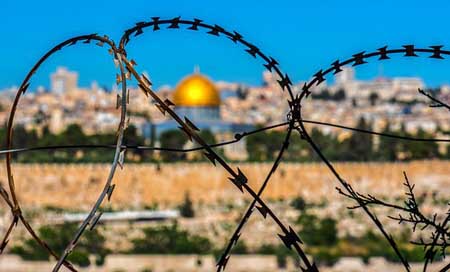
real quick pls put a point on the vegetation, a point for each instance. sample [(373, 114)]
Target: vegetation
[(372, 245), (317, 231), (170, 240), (187, 208), (355, 147), (173, 139), (299, 204), (58, 237), (261, 146), (72, 135), (319, 236), (367, 246), (325, 94)]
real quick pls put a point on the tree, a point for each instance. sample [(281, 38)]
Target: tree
[(131, 137), (73, 134), (186, 208), (317, 232), (264, 146), (324, 95), (241, 92), (57, 237), (339, 95), (327, 143), (373, 97), (208, 136), (359, 146), (172, 139), (423, 150), (210, 139), (170, 240), (388, 147), (299, 203)]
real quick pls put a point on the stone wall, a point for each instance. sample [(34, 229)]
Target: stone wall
[(76, 186)]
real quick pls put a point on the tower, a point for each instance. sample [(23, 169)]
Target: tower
[(63, 81), (347, 75)]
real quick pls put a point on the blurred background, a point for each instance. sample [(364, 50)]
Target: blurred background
[(175, 211)]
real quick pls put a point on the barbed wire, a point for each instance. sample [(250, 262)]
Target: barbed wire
[(415, 217), (440, 237), (237, 138), (11, 198), (239, 179), (336, 67), (295, 122)]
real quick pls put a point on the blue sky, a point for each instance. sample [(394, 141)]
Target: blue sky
[(303, 36)]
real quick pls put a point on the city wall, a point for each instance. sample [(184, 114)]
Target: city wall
[(76, 186)]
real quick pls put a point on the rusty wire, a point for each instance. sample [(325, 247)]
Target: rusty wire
[(11, 198), (383, 53), (294, 122)]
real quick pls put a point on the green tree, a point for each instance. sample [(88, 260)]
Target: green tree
[(132, 137), (240, 247), (359, 147), (172, 139), (339, 95), (315, 231), (324, 95), (328, 145), (422, 150), (57, 237), (208, 136), (187, 208), (299, 203), (210, 139), (264, 146), (73, 134), (170, 240), (388, 147)]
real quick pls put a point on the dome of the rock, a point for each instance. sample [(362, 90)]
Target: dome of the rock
[(196, 90)]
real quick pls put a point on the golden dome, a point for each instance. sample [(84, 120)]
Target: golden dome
[(196, 91)]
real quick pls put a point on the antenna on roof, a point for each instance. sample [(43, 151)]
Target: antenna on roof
[(196, 69)]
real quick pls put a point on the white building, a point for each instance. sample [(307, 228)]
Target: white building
[(400, 88), (63, 81)]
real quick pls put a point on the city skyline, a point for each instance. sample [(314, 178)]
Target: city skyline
[(308, 30), (170, 136), (49, 85)]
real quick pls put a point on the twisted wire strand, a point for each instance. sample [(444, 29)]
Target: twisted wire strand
[(215, 30), (289, 237), (237, 233), (359, 59), (93, 217), (238, 137), (238, 178), (13, 202)]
